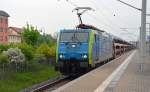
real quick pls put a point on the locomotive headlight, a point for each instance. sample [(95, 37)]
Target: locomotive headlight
[(84, 56), (61, 56)]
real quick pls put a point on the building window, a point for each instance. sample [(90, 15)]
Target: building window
[(5, 29), (1, 29), (9, 37), (1, 20), (6, 21), (1, 38), (5, 38)]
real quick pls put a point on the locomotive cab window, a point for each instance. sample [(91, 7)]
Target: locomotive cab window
[(74, 37), (94, 37)]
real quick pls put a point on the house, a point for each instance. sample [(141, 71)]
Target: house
[(3, 27), (14, 35)]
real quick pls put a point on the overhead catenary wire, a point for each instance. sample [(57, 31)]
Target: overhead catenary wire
[(96, 18), (100, 12), (110, 12), (126, 30), (102, 4), (92, 16)]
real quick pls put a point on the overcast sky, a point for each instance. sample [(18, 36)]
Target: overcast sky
[(53, 15)]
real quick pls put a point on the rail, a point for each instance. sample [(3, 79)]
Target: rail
[(45, 85)]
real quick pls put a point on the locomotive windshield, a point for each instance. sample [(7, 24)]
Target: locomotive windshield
[(74, 37)]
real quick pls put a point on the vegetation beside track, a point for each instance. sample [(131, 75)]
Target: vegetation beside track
[(16, 81), (30, 62)]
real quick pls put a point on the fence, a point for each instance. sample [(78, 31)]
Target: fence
[(16, 67), (8, 68)]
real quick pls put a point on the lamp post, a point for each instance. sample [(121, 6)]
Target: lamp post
[(143, 26)]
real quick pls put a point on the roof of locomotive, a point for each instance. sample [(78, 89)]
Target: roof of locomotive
[(88, 28), (85, 26), (75, 30)]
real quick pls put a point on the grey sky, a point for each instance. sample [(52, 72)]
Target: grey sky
[(53, 15)]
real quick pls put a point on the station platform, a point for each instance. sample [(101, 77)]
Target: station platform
[(136, 77), (127, 73)]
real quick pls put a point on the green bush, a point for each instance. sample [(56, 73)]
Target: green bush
[(53, 51), (40, 58), (27, 50), (15, 55), (4, 58), (44, 49), (3, 48)]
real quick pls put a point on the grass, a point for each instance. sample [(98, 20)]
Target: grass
[(15, 81)]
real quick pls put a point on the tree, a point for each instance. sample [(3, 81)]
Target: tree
[(47, 39), (43, 49), (30, 35)]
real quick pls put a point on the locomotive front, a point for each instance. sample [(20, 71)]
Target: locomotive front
[(72, 51)]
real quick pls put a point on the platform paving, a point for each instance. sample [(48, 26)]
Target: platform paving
[(90, 81), (136, 77)]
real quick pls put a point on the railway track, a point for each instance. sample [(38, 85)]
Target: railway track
[(57, 85), (49, 85)]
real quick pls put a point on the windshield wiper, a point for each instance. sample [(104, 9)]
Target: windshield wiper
[(74, 38)]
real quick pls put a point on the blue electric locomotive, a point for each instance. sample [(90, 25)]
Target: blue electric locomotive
[(81, 49)]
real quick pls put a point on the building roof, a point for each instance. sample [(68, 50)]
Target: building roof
[(3, 13), (16, 29)]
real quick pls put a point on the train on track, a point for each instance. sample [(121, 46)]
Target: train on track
[(86, 46), (81, 49)]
